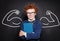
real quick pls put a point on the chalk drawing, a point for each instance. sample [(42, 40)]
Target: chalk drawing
[(9, 14), (46, 25)]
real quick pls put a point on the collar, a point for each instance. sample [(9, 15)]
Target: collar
[(31, 20)]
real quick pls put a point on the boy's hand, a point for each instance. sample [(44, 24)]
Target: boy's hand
[(21, 33)]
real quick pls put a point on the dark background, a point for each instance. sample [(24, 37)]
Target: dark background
[(11, 34)]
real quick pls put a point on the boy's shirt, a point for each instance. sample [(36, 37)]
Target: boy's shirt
[(37, 26)]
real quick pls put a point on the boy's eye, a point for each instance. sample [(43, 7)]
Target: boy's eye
[(30, 12)]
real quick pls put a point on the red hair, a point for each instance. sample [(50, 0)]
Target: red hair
[(31, 6)]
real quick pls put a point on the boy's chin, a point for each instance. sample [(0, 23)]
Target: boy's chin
[(30, 18)]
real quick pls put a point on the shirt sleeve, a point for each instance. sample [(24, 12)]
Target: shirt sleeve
[(25, 34)]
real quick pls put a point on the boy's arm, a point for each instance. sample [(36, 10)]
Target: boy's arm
[(35, 34)]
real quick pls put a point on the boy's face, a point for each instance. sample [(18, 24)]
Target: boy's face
[(31, 13)]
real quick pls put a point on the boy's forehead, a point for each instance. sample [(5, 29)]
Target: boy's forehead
[(31, 10)]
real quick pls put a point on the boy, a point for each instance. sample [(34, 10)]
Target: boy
[(31, 11)]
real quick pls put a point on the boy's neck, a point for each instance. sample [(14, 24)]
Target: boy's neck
[(31, 19)]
